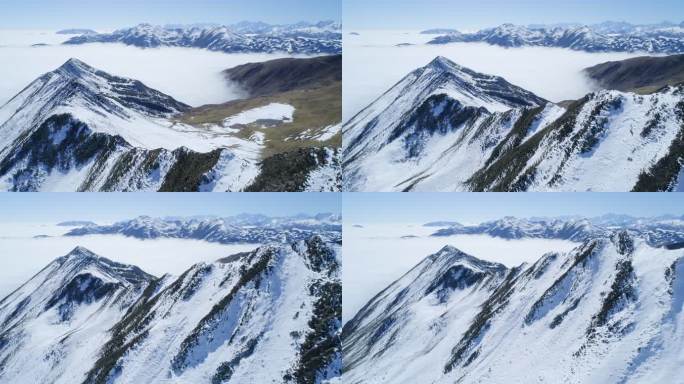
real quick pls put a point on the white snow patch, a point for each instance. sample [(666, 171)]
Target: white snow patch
[(273, 111)]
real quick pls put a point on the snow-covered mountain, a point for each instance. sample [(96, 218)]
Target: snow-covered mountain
[(302, 38), (604, 37), (656, 231), (608, 311), (238, 229), (81, 129), (53, 326), (446, 128), (271, 315)]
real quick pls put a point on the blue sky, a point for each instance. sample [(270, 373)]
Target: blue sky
[(474, 14), (470, 208), (56, 207), (48, 14)]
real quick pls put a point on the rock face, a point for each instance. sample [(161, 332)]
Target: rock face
[(607, 311), (271, 315), (321, 38), (444, 129), (595, 38)]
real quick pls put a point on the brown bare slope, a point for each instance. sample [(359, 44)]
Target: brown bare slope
[(641, 74), (282, 75), (313, 86)]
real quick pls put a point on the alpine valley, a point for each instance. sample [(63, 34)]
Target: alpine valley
[(608, 311), (445, 127), (269, 315), (78, 128)]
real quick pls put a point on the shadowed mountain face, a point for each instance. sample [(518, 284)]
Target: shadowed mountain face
[(270, 315), (282, 75), (610, 310), (640, 74)]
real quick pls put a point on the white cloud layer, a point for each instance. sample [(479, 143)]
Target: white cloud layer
[(22, 256), (373, 63), (192, 76), (375, 256)]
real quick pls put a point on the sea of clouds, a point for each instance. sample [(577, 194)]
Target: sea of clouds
[(192, 76), (22, 255), (373, 64), (377, 255)]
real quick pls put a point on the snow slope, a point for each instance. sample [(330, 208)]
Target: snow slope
[(54, 324), (78, 128), (435, 131), (270, 315), (607, 311)]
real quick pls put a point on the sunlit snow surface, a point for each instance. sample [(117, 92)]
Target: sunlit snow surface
[(376, 255), (373, 63), (22, 255)]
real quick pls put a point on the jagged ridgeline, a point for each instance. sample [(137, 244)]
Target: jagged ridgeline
[(81, 129), (663, 38), (609, 311), (272, 315), (448, 128)]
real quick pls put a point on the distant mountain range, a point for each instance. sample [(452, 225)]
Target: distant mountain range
[(657, 231), (605, 37), (445, 127), (609, 311), (270, 315), (228, 230), (302, 38), (81, 129), (76, 32)]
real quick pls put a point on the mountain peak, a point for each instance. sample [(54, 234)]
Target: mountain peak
[(75, 67), (442, 63), (450, 249), (80, 251)]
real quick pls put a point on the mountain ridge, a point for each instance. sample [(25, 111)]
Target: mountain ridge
[(410, 140), (217, 312), (589, 315)]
